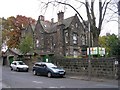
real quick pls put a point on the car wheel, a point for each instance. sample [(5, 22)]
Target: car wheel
[(49, 74), (34, 72), (11, 68)]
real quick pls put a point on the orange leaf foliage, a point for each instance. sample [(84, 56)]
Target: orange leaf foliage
[(13, 27)]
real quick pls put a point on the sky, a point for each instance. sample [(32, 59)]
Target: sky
[(33, 8)]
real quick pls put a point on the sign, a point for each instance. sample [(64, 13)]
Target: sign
[(96, 51)]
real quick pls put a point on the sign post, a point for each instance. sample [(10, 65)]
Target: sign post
[(89, 58)]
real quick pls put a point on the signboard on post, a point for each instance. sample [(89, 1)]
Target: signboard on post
[(96, 51)]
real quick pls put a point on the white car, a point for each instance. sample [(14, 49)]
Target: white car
[(19, 66)]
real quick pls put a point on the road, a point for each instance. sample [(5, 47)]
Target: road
[(15, 79)]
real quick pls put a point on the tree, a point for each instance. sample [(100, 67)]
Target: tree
[(26, 45), (111, 44), (115, 46), (103, 43), (0, 31), (13, 27), (93, 19)]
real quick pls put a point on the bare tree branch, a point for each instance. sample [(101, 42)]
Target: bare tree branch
[(92, 12), (102, 13), (104, 4)]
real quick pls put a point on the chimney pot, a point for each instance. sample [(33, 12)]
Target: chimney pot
[(52, 20), (41, 17)]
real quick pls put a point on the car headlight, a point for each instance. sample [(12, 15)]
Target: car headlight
[(55, 71)]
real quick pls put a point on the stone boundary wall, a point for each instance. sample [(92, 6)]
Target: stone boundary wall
[(100, 68), (103, 67)]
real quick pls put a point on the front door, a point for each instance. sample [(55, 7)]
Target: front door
[(11, 58)]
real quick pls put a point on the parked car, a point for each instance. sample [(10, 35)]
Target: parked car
[(48, 69), (19, 66)]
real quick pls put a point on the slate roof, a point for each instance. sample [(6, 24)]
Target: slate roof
[(68, 21), (52, 27), (33, 26), (39, 52), (15, 51), (46, 26)]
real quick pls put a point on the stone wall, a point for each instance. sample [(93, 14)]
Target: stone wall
[(103, 67), (100, 68)]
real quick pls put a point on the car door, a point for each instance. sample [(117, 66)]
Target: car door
[(37, 68), (14, 65), (44, 69)]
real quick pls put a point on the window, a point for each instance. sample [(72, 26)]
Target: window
[(37, 43), (83, 40), (66, 36), (75, 38), (76, 25), (43, 65), (72, 27), (21, 63), (75, 53), (67, 52), (38, 65)]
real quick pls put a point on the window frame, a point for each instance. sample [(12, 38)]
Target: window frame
[(75, 35)]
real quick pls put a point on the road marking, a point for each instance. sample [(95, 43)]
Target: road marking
[(37, 82), (52, 87), (62, 86), (57, 87), (106, 85)]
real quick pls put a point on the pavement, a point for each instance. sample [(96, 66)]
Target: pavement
[(91, 79), (2, 85)]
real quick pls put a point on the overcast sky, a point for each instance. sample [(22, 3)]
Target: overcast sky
[(32, 8)]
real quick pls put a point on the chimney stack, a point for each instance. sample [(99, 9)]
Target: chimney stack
[(60, 17), (52, 20)]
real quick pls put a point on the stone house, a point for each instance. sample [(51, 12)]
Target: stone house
[(65, 37)]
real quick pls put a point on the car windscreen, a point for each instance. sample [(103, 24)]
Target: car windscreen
[(51, 65), (21, 63)]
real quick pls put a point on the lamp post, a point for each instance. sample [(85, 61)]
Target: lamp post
[(89, 58)]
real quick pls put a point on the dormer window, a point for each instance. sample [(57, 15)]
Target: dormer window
[(75, 38)]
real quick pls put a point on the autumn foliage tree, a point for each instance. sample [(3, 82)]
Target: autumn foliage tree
[(13, 27)]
